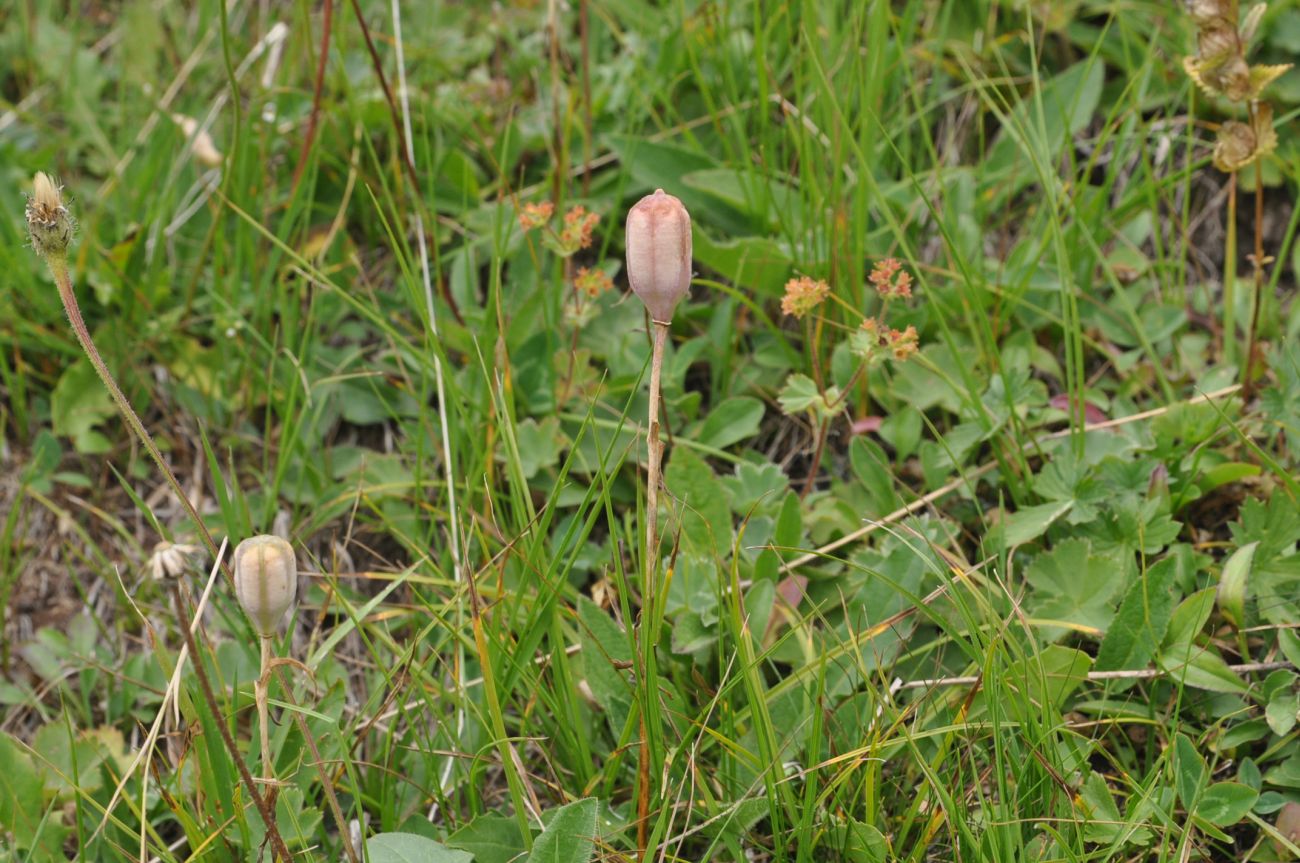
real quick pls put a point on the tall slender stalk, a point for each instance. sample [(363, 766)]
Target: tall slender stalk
[(50, 227), (658, 238), (654, 458), (263, 806), (1230, 276), (650, 584), (59, 270), (263, 714)]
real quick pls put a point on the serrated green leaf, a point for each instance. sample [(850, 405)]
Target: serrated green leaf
[(1073, 585)]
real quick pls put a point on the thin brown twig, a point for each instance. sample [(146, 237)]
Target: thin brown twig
[(378, 64), (314, 117), (1124, 674)]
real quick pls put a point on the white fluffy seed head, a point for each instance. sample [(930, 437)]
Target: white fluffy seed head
[(658, 242), (266, 581)]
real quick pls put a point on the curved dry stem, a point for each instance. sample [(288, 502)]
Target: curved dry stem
[(59, 270)]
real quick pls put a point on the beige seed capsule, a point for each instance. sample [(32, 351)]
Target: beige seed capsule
[(658, 242), (266, 580)]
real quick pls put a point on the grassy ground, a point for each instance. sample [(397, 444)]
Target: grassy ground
[(1026, 593)]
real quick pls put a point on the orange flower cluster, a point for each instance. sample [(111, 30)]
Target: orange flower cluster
[(592, 282), (802, 295), (577, 230), (890, 279), (875, 340), (535, 215)]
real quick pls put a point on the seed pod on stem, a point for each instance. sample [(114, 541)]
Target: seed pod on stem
[(266, 581), (658, 240), (659, 253), (266, 584)]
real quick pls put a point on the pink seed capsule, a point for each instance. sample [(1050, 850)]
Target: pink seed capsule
[(658, 242), (266, 581)]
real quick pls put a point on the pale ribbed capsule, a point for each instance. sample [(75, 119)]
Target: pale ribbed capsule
[(658, 243), (266, 580)]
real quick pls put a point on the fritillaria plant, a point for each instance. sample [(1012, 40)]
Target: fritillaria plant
[(658, 240), (266, 585)]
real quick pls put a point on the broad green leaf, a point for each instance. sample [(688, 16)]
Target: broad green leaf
[(1031, 522), (22, 806), (758, 264), (800, 394), (732, 421), (764, 199), (1289, 643), (1102, 822), (701, 501), (1141, 621), (570, 834), (1187, 621), (491, 838), (1190, 772), (1232, 584), (68, 764), (1281, 711), (1048, 678), (604, 645), (1202, 669), (539, 443), (691, 634), (864, 843), (1068, 102), (1225, 803), (411, 848), (78, 404)]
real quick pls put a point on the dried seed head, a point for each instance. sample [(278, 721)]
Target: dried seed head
[(169, 559), (202, 148), (659, 253), (49, 224), (266, 580)]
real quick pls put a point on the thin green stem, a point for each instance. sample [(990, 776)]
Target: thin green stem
[(59, 270), (1230, 276)]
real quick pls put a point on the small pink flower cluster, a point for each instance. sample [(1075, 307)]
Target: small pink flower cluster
[(891, 280)]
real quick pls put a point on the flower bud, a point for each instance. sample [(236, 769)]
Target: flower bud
[(266, 580), (49, 224), (659, 253)]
